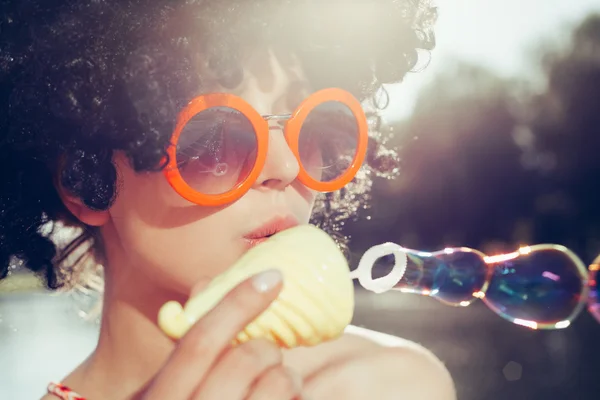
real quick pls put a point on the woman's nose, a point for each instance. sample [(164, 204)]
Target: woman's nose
[(281, 166)]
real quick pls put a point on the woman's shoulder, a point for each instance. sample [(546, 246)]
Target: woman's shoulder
[(378, 338), (365, 354), (396, 365), (355, 342)]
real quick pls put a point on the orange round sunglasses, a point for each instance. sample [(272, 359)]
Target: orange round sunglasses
[(219, 145)]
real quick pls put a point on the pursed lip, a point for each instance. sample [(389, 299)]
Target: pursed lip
[(269, 228)]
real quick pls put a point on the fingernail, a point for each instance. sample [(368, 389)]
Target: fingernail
[(267, 280)]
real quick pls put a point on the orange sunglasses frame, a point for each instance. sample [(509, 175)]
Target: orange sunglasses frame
[(261, 130)]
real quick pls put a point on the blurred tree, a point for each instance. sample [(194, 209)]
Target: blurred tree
[(565, 122), (462, 182)]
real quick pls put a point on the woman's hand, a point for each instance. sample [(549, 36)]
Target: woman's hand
[(204, 365)]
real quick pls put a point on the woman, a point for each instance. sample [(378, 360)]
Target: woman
[(93, 91)]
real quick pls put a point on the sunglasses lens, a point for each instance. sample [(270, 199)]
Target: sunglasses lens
[(328, 141), (216, 150), (541, 288), (594, 299), (452, 276)]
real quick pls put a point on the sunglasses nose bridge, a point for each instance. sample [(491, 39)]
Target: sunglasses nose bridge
[(276, 121), (276, 117)]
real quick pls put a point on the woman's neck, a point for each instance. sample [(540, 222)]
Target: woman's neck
[(131, 348)]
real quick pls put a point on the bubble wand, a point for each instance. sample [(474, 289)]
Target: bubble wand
[(541, 287)]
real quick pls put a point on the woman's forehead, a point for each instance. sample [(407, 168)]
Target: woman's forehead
[(271, 79)]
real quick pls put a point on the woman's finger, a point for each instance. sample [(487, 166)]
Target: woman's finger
[(240, 367), (198, 350), (279, 383)]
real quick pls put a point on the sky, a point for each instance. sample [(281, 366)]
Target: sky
[(497, 34)]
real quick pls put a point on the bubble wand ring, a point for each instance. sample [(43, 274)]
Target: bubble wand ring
[(367, 262)]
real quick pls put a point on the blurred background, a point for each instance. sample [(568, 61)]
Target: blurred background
[(500, 143)]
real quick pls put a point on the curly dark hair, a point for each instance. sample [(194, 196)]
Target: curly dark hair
[(81, 79)]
